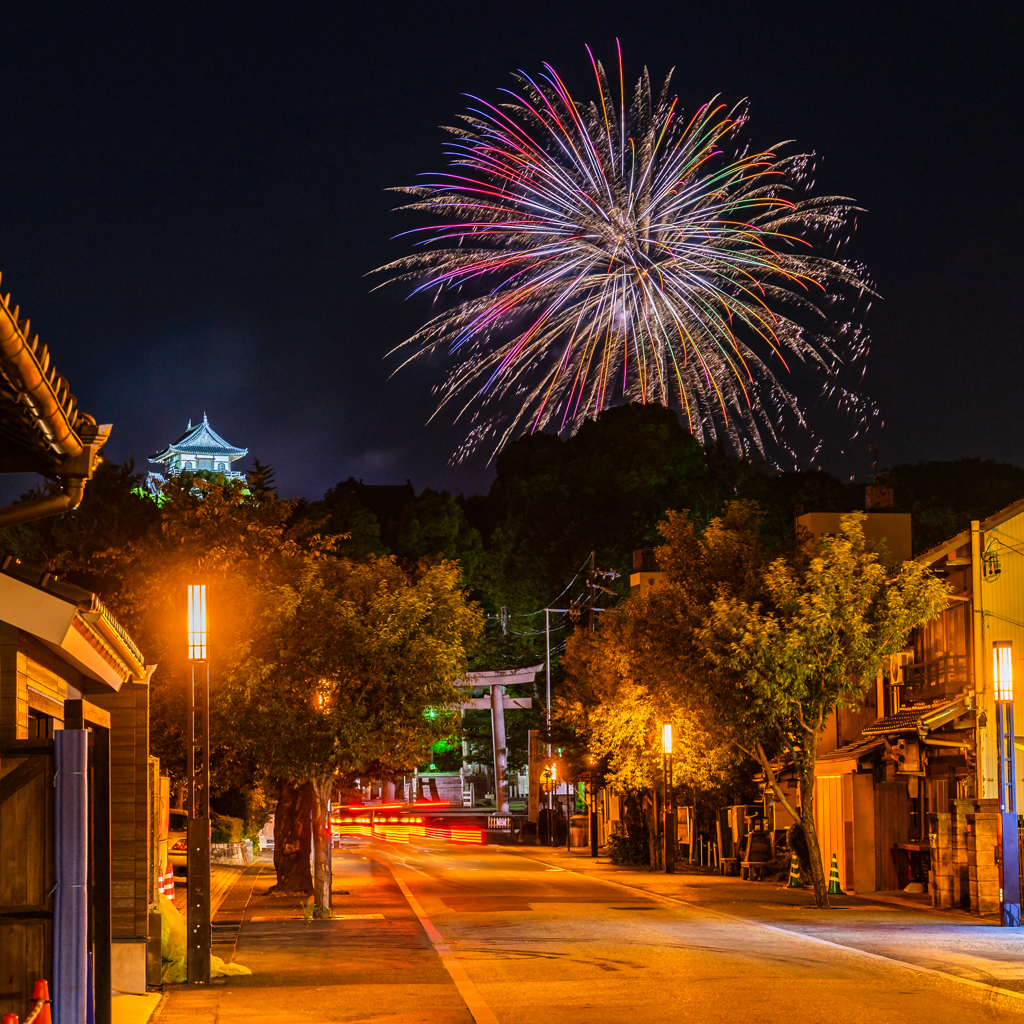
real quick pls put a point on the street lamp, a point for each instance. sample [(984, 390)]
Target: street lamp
[(670, 818), (551, 805), (592, 830), (198, 753), (1002, 685)]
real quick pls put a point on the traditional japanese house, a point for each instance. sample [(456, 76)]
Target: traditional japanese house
[(74, 765), (907, 799)]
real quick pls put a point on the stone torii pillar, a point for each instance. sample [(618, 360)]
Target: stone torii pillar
[(498, 702)]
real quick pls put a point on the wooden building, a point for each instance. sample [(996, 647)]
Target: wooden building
[(74, 810), (65, 663), (907, 784)]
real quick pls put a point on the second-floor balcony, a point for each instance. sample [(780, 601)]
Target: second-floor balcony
[(944, 676)]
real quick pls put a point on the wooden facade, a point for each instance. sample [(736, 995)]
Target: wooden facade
[(66, 664)]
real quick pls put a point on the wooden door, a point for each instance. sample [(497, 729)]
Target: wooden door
[(27, 875)]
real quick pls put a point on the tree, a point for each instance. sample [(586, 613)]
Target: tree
[(616, 706), (768, 647), (351, 666)]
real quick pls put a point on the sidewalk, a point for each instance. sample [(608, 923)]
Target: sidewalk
[(318, 971), (891, 925)]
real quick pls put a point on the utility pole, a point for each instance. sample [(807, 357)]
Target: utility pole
[(547, 713), (590, 583)]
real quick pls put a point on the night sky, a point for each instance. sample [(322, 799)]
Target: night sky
[(192, 195)]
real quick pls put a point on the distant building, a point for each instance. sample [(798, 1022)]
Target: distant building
[(199, 448)]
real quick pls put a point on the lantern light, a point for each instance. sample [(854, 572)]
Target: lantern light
[(553, 772), (1002, 670), (666, 738), (197, 622)]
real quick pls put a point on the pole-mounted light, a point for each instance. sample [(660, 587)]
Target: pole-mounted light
[(197, 738), (1009, 860), (197, 622), (666, 738), (1002, 670)]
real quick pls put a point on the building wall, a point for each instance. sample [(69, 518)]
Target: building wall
[(129, 809), (1001, 602), (889, 528)]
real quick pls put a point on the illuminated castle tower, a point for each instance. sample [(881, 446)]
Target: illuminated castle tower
[(200, 448)]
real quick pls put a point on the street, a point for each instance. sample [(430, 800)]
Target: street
[(508, 935)]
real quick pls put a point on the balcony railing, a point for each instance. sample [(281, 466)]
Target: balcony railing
[(941, 677)]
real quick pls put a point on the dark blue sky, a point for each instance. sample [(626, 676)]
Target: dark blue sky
[(191, 195)]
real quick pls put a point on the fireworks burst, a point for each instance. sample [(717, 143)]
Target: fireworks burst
[(587, 255)]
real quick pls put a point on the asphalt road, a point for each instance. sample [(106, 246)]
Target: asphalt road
[(541, 944), (440, 935)]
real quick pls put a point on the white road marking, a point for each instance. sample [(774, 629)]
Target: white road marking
[(481, 1012)]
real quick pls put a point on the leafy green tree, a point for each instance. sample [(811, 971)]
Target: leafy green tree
[(433, 525), (614, 703), (351, 665), (767, 646)]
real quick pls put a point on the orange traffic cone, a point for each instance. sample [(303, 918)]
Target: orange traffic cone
[(10, 1018), (41, 991)]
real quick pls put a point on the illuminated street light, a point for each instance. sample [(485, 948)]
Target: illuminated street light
[(1002, 670), (669, 802), (200, 933), (1002, 687), (197, 622)]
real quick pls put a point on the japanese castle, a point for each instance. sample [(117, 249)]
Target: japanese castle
[(200, 448)]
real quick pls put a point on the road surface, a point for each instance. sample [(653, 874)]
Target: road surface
[(457, 936)]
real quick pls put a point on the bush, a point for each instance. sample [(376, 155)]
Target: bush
[(627, 846), (226, 830)]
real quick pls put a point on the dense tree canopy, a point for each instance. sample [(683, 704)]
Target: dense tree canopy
[(752, 645)]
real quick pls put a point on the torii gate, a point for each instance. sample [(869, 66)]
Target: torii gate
[(498, 702)]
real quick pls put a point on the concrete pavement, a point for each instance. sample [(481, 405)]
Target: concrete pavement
[(526, 935)]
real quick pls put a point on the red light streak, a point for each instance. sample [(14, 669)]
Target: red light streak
[(403, 830)]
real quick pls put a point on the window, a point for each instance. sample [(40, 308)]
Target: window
[(40, 725)]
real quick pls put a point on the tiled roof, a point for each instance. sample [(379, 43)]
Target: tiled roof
[(42, 430), (200, 440), (857, 748), (917, 717)]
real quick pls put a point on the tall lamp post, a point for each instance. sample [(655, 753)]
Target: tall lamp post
[(198, 838), (670, 817), (551, 805), (1009, 841)]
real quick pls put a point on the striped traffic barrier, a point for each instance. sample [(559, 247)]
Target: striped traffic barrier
[(794, 874), (833, 879)]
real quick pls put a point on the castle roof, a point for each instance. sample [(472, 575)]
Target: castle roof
[(200, 441)]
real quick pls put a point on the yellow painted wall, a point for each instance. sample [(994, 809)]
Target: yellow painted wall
[(1001, 602), (890, 528)]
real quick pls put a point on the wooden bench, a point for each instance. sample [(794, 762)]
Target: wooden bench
[(751, 869), (729, 866)]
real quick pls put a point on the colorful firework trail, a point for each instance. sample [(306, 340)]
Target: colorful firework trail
[(586, 255)]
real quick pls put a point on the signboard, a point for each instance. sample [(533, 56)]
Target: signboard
[(684, 824), (500, 822), (536, 766)]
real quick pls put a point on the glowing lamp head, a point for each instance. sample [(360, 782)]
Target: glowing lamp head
[(1002, 670), (197, 622), (666, 738)]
